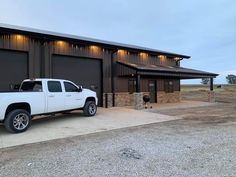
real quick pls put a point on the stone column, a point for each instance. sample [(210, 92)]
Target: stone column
[(107, 100), (211, 97), (138, 101)]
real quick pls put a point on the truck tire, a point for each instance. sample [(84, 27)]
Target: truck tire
[(90, 108), (17, 121)]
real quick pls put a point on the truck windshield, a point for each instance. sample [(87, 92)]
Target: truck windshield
[(31, 86)]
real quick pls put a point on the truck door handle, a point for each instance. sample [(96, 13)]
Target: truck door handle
[(68, 95), (51, 96)]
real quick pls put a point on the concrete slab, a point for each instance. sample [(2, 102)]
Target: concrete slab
[(74, 124)]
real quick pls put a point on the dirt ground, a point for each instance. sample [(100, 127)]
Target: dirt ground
[(224, 111), (203, 143), (226, 94), (219, 113), (197, 145)]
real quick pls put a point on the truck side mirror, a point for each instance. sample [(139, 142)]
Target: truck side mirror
[(80, 88), (16, 87)]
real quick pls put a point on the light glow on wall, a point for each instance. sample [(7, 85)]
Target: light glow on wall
[(19, 37), (162, 57), (94, 48), (61, 43), (121, 52), (177, 58), (143, 55)]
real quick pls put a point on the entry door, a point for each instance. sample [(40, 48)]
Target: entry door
[(152, 91)]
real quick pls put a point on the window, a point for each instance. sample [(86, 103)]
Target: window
[(169, 86), (131, 86), (54, 86), (69, 87), (31, 86)]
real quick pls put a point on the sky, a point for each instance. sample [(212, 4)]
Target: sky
[(203, 29)]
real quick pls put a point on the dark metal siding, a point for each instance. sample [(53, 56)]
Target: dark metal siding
[(82, 71), (83, 51), (14, 68), (122, 83), (144, 58), (24, 44), (40, 52)]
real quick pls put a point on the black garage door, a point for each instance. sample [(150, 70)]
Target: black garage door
[(81, 71), (13, 69)]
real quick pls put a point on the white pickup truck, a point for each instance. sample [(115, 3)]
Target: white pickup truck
[(42, 97)]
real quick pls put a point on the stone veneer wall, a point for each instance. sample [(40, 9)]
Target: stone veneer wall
[(136, 99), (124, 99), (109, 100), (163, 97)]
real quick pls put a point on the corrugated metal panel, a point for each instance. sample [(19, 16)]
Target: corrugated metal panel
[(143, 59), (85, 39), (82, 71)]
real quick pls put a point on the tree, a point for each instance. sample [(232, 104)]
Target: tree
[(205, 81), (231, 79)]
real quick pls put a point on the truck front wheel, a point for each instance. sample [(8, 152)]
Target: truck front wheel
[(17, 121), (90, 108)]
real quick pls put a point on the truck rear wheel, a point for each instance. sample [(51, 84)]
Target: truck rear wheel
[(90, 108), (17, 121)]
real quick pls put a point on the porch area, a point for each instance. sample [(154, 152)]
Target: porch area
[(160, 83)]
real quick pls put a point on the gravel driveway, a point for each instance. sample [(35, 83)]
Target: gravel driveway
[(174, 148)]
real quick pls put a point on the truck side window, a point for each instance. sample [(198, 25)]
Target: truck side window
[(54, 86), (31, 86), (69, 87)]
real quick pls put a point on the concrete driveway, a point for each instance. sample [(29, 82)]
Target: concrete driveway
[(74, 124)]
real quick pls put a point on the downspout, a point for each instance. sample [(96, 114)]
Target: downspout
[(137, 82), (112, 76), (178, 62)]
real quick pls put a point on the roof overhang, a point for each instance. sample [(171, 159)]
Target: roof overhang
[(163, 71), (48, 35)]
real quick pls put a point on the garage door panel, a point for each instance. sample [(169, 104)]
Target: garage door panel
[(13, 68), (82, 71)]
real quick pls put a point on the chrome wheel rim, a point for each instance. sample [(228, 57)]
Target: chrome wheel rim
[(20, 121), (92, 109)]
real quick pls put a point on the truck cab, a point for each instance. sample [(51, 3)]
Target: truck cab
[(43, 96)]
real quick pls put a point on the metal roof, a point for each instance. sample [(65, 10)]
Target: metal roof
[(167, 70), (86, 39)]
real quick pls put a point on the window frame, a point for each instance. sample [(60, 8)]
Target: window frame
[(54, 91), (40, 83), (66, 82), (169, 86)]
